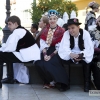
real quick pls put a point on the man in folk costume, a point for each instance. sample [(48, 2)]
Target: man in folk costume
[(50, 66), (20, 71), (76, 47), (20, 46)]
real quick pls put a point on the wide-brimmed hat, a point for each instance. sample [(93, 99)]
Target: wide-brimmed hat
[(74, 21)]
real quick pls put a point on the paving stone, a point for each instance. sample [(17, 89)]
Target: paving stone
[(4, 92), (23, 98), (36, 92)]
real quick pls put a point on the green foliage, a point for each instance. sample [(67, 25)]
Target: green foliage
[(44, 5), (69, 6), (0, 28)]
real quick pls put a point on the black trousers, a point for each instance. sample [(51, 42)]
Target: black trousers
[(9, 58), (86, 69), (96, 70)]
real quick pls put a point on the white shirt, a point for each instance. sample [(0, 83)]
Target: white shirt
[(24, 55), (65, 50), (76, 49)]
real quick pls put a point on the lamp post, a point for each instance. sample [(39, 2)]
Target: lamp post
[(34, 2), (6, 31)]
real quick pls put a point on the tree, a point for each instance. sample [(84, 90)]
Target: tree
[(44, 5)]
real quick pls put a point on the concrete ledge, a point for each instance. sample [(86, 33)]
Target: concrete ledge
[(34, 76), (76, 74)]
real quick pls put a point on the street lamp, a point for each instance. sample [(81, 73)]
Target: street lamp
[(34, 1), (6, 31)]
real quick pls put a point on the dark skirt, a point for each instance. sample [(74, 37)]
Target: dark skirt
[(52, 69)]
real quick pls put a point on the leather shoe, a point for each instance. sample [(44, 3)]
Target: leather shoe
[(7, 80), (61, 87), (0, 85), (17, 82), (87, 87)]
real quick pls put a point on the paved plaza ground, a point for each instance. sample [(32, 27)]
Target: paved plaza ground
[(36, 92)]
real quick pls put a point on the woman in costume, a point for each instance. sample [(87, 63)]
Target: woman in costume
[(91, 17), (50, 66), (42, 24), (95, 32), (95, 66)]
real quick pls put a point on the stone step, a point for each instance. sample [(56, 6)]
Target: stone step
[(76, 74)]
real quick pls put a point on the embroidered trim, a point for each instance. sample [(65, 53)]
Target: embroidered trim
[(50, 36)]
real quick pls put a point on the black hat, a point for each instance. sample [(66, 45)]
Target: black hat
[(74, 21)]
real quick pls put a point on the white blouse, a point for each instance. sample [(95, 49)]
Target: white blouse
[(43, 45), (65, 50)]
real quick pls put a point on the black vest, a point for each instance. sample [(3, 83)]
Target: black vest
[(80, 41), (26, 41)]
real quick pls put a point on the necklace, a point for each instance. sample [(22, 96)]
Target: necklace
[(53, 28)]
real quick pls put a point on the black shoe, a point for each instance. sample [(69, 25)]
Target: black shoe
[(7, 80), (87, 87), (0, 85), (68, 87), (61, 87), (17, 82)]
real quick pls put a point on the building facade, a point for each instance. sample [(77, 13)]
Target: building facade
[(21, 8), (82, 5)]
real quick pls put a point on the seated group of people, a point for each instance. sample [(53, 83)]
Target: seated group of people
[(55, 44)]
